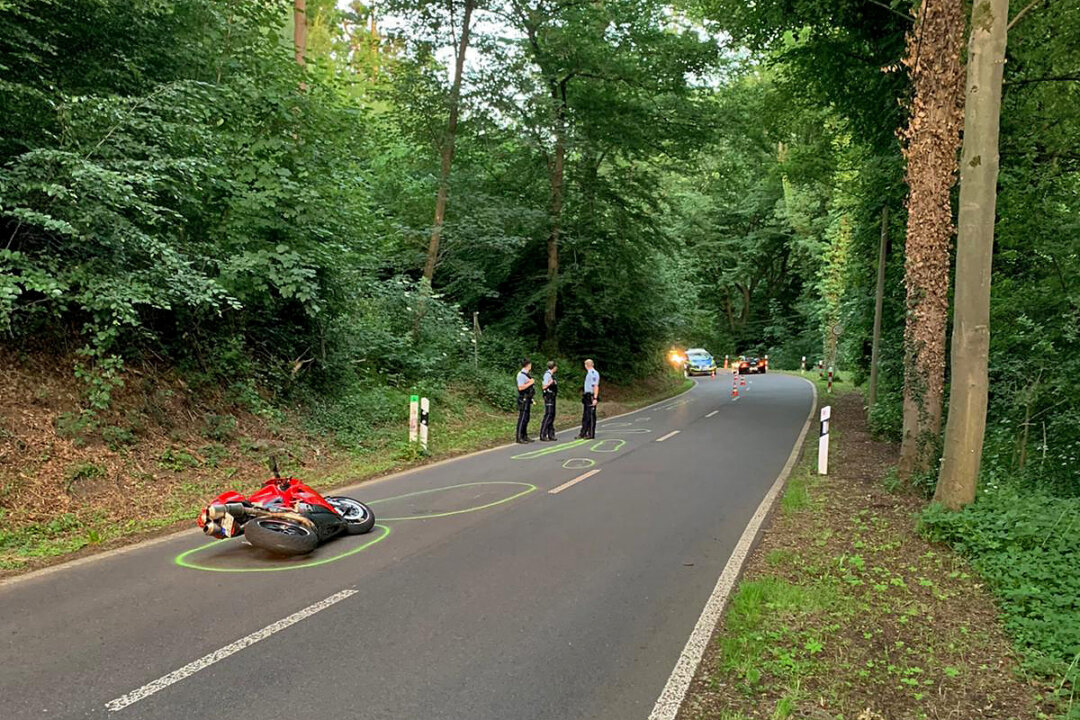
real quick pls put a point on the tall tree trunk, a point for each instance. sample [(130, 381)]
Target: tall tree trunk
[(556, 172), (448, 144), (974, 253), (932, 139), (879, 305), (300, 30)]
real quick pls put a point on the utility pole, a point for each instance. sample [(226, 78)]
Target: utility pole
[(879, 301)]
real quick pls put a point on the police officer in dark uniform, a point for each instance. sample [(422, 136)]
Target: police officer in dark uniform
[(526, 391), (550, 388)]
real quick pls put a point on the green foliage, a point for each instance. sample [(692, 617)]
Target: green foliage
[(219, 427), (117, 437), (1025, 545), (177, 459), (82, 471)]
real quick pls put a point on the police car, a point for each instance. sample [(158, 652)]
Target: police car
[(699, 362)]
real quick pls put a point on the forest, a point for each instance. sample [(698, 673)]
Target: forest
[(326, 205)]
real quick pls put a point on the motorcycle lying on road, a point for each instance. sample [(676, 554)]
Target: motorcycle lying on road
[(285, 517)]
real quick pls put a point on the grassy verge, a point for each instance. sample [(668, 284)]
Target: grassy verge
[(846, 612), (108, 497)]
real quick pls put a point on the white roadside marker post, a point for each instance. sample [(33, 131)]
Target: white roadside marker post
[(414, 417), (823, 442), (425, 407), (803, 369)]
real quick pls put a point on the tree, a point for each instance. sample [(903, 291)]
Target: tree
[(932, 138), (974, 252), (879, 302), (461, 46)]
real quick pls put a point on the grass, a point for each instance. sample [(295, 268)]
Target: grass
[(841, 384)]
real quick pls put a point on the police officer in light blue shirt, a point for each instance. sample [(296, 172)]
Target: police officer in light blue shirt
[(526, 390), (590, 396)]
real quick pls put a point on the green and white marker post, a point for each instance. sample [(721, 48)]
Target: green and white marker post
[(414, 417)]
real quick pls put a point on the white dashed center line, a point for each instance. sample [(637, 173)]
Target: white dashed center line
[(712, 413), (671, 434), (207, 660), (572, 483)]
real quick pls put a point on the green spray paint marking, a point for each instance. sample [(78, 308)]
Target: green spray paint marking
[(548, 451), (626, 431), (578, 463), (602, 446), (182, 558), (529, 487)]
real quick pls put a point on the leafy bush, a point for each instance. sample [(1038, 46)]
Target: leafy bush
[(357, 410), (886, 417), (1025, 545), (219, 427), (495, 387), (116, 437)]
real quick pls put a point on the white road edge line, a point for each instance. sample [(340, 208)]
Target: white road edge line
[(207, 660), (671, 434), (674, 692), (712, 413), (575, 481)]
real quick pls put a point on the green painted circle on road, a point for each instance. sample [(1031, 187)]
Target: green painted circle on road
[(183, 558), (529, 487)]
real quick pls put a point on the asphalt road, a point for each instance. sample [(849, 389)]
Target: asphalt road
[(487, 596)]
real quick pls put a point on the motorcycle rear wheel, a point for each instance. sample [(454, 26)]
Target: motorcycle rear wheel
[(280, 536), (358, 517)]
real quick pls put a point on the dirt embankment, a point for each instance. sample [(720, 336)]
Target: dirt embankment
[(140, 466)]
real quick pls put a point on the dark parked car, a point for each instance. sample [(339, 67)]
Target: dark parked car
[(752, 366)]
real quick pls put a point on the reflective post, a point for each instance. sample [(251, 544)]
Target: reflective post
[(823, 442), (425, 408)]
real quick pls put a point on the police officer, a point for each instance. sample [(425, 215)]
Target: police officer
[(526, 391), (550, 388), (590, 396)]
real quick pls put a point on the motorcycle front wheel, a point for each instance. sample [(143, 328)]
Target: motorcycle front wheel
[(359, 518), (280, 536)]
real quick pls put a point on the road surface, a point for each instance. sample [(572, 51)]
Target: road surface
[(529, 582)]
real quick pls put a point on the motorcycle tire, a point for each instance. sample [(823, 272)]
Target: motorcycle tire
[(358, 517), (280, 536)]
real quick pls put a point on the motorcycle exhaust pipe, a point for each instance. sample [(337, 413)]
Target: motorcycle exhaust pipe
[(216, 512)]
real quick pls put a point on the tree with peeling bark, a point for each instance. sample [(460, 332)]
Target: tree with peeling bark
[(974, 253), (932, 138)]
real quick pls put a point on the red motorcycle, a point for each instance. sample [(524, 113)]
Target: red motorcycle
[(285, 517)]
